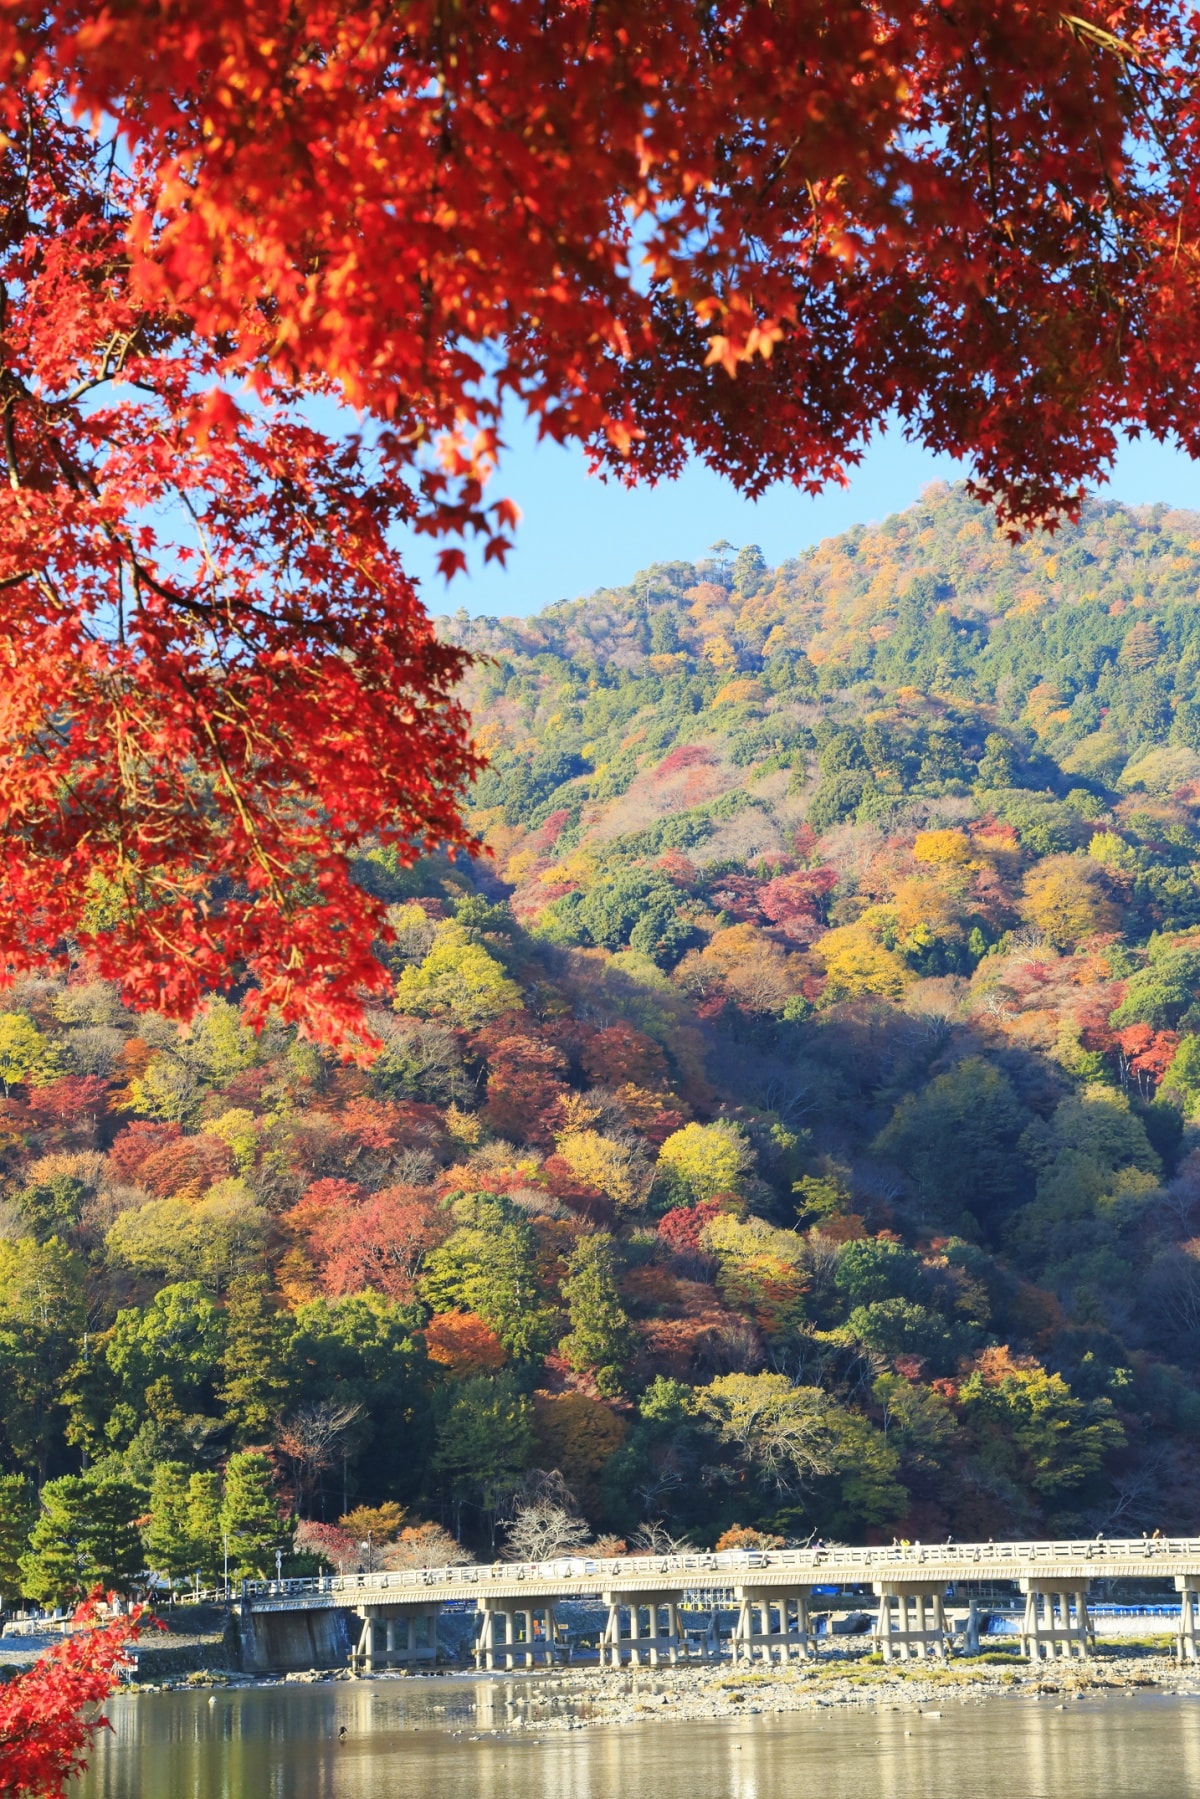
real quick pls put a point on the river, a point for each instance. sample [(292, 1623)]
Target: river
[(429, 1739)]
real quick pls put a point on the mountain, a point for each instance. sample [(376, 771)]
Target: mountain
[(787, 1125)]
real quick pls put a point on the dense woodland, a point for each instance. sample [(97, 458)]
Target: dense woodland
[(788, 1127)]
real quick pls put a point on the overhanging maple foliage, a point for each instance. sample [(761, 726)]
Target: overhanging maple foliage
[(979, 216), (218, 681), (48, 1715)]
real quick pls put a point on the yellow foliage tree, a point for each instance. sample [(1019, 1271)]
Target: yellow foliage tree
[(1112, 851), (1067, 899), (707, 1159), (240, 1130), (577, 1435), (744, 962), (210, 1239), (758, 1270), (617, 1169), (458, 980), (931, 904), (856, 964), (953, 847)]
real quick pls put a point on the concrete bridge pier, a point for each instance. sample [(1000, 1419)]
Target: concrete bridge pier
[(642, 1648), (1188, 1588), (1056, 1621), (707, 1636), (526, 1637), (786, 1634), (401, 1629), (912, 1619)]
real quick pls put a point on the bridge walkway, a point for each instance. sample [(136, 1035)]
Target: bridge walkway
[(771, 1591)]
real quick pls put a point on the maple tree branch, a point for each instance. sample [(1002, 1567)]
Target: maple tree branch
[(1085, 31), (10, 446)]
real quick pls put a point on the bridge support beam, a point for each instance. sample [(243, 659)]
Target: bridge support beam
[(771, 1624), (1188, 1588), (1056, 1621), (642, 1648), (912, 1619), (397, 1622), (526, 1635)]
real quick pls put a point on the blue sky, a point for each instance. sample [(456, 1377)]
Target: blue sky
[(579, 533)]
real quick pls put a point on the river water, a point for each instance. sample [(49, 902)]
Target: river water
[(418, 1739)]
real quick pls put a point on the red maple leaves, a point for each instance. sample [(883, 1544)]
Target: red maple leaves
[(218, 684), (744, 233), (48, 1714)]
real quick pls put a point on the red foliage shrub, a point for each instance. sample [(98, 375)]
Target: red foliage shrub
[(376, 1123), (681, 1226), (133, 1059), (525, 1077), (1146, 1054), (548, 834), (377, 1241), (796, 903), (738, 895), (137, 1141), (463, 1344), (334, 1545), (716, 1342), (677, 868), (688, 755), (72, 1100), (361, 1139), (324, 1199), (621, 1054), (186, 1167), (244, 1090), (564, 1184)]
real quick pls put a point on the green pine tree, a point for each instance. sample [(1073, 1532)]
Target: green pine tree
[(112, 1538), (255, 1385), (250, 1514), (485, 1439), (600, 1339), (204, 1524), (168, 1540), (17, 1512), (84, 1536), (55, 1567)]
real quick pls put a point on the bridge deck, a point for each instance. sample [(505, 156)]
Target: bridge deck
[(785, 1570)]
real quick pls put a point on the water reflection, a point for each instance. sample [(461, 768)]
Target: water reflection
[(282, 1743)]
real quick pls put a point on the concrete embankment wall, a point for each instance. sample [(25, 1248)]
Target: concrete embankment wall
[(286, 1642)]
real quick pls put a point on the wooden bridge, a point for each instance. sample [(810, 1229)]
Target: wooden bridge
[(668, 1608)]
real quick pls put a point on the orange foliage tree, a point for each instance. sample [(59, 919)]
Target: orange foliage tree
[(463, 1344), (577, 1435), (360, 1240)]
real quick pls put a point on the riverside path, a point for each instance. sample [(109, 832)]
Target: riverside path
[(668, 1608)]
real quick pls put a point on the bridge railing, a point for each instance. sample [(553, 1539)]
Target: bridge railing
[(697, 1568)]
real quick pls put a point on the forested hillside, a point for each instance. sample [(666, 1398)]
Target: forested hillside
[(786, 1127)]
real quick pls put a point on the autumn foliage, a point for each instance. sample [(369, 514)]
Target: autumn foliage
[(48, 1716), (744, 234), (209, 643)]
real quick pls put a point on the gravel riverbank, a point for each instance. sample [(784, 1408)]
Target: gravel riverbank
[(575, 1700)]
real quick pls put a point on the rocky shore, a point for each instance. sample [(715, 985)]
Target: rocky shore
[(582, 1700)]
